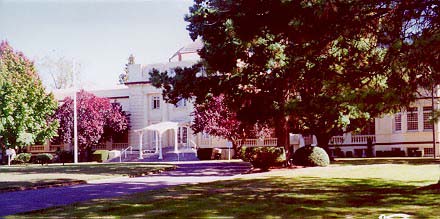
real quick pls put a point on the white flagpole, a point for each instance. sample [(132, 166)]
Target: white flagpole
[(75, 119)]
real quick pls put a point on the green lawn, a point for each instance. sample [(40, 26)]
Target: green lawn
[(21, 177), (362, 191), (386, 160)]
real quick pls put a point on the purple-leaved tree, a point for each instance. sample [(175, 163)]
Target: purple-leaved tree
[(215, 118), (98, 120)]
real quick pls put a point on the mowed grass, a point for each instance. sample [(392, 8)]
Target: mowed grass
[(386, 160), (362, 191), (21, 177)]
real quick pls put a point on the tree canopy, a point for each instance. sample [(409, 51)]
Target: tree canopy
[(215, 118), (25, 107), (98, 120), (317, 67)]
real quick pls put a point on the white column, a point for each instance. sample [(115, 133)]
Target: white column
[(175, 141), (140, 144), (156, 133), (160, 146)]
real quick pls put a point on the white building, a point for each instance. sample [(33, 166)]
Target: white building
[(407, 131)]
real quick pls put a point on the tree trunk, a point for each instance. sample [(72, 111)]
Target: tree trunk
[(282, 134)]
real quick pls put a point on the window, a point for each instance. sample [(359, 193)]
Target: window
[(182, 135), (156, 103), (427, 115), (181, 103), (412, 119), (398, 122), (428, 151)]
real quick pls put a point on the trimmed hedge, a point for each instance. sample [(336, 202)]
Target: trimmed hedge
[(204, 153), (22, 158), (43, 158), (100, 155), (311, 156), (263, 157)]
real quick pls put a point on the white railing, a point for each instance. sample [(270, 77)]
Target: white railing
[(124, 152), (258, 142), (337, 140), (362, 138), (119, 146), (355, 139)]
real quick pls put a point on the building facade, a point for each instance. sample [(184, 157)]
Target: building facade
[(406, 133)]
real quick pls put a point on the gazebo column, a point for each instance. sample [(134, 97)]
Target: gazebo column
[(160, 146), (176, 150), (140, 144), (156, 134)]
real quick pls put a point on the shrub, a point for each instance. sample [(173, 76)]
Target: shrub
[(65, 157), (43, 158), (311, 156), (204, 153), (22, 158), (100, 155), (264, 157)]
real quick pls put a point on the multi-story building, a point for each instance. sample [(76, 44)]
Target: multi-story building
[(409, 131)]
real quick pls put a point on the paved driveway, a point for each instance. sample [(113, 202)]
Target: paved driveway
[(186, 173)]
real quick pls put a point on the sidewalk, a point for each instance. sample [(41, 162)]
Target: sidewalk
[(186, 173)]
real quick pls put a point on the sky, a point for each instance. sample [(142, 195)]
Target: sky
[(99, 35)]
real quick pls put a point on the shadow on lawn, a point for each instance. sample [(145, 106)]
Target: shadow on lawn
[(97, 169), (284, 197), (38, 184)]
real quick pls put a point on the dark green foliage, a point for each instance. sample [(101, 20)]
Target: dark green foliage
[(204, 153), (100, 155), (263, 157), (22, 158), (311, 156), (312, 67), (43, 158)]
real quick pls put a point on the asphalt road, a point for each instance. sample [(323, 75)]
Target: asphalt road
[(186, 173)]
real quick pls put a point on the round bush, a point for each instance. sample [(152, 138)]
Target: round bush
[(263, 157), (22, 158), (311, 156), (44, 158)]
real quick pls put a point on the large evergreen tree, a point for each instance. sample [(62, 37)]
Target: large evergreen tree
[(309, 66), (25, 107)]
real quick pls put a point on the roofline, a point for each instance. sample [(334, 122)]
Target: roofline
[(137, 82)]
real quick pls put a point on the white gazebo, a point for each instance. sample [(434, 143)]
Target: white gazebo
[(159, 129)]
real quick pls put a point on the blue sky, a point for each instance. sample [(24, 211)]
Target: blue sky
[(100, 35)]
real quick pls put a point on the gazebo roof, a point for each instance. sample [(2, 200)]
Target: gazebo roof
[(160, 127)]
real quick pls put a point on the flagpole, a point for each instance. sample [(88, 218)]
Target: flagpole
[(75, 119)]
